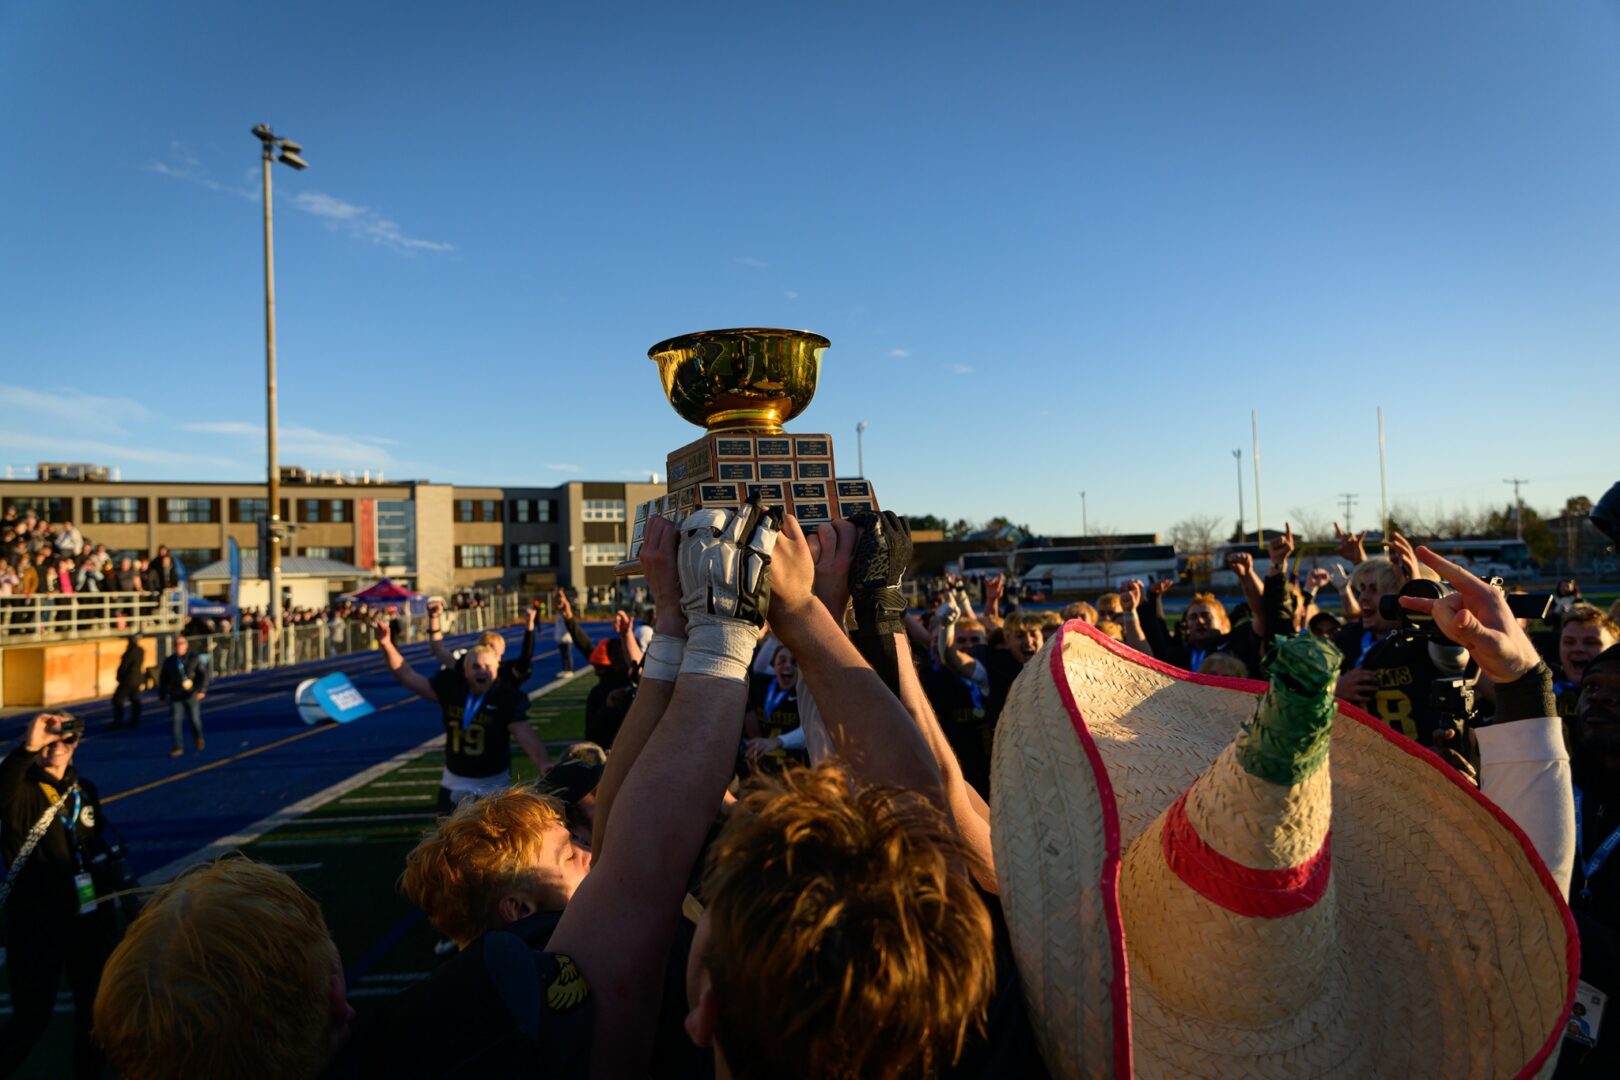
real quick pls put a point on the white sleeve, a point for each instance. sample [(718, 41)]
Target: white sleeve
[(816, 741), (795, 739), (1524, 769)]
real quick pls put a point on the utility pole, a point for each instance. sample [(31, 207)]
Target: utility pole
[(1383, 483), (1259, 520), (1518, 507), (860, 449), (289, 155), (1085, 527), (1350, 499), (1237, 455)]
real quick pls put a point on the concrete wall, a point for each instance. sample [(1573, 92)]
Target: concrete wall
[(435, 539)]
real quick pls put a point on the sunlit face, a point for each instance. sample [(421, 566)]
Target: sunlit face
[(1578, 644), (1368, 596), (1024, 643), (479, 668), (58, 755), (559, 868), (970, 638), (181, 646), (1205, 624), (785, 667)]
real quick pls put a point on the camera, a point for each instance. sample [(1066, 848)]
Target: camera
[(67, 725), (1523, 605)]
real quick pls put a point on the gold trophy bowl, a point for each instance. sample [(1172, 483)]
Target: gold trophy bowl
[(754, 378)]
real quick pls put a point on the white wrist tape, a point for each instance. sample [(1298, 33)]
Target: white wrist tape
[(661, 661), (721, 648)]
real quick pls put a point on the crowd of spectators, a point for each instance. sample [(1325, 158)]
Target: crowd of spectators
[(55, 560), (773, 857)]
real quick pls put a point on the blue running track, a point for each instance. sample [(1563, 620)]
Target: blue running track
[(260, 756)]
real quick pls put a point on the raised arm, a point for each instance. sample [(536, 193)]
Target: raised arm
[(1131, 594), (619, 925), (870, 730), (402, 672), (1242, 564), (565, 610), (435, 633), (658, 670), (1151, 616), (625, 627)]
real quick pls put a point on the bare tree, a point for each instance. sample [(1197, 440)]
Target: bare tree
[(1309, 524), (1197, 535)]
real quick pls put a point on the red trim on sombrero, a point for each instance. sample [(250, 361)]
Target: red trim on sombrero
[(1259, 894), (1108, 885), (1572, 949)]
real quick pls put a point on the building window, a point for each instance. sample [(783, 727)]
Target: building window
[(44, 509), (341, 554), (189, 512), (478, 509), (464, 509), (478, 556), (194, 559), (335, 511), (121, 511), (253, 511), (533, 511), (604, 554), (604, 510), (396, 533), (534, 556)]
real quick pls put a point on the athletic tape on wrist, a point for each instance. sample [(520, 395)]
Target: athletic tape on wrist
[(721, 649), (662, 659)]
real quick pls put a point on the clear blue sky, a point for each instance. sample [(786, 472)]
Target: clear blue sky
[(1056, 247)]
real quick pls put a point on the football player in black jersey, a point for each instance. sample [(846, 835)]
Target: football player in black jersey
[(481, 713)]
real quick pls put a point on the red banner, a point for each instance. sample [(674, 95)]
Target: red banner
[(366, 522)]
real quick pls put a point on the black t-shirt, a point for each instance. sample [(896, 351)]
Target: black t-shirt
[(1007, 1047), (777, 711), (500, 1007), (1003, 668), (481, 745), (1405, 696)]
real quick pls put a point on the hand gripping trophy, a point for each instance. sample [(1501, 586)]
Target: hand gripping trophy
[(741, 386)]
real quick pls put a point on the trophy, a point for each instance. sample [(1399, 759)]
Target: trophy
[(741, 386)]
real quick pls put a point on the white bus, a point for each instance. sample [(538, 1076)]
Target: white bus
[(1095, 568)]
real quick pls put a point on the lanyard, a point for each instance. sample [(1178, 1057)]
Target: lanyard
[(474, 703), (1590, 867), (1196, 657), (70, 822), (774, 696)]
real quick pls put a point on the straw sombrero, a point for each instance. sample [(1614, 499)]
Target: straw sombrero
[(1190, 893)]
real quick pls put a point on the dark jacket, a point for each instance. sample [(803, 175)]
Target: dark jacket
[(131, 665), (45, 885), (176, 672)]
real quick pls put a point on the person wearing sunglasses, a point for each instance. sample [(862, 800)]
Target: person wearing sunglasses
[(54, 833)]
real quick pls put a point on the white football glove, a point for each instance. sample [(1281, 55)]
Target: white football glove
[(724, 563)]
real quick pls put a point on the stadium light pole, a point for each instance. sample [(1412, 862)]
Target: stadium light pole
[(286, 151), (860, 449), (1237, 456)]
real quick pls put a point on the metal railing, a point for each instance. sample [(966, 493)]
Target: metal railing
[(59, 616)]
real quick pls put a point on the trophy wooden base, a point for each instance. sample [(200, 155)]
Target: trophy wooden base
[(727, 468)]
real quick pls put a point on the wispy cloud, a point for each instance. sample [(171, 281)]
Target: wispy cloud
[(80, 449), (364, 223), (70, 406), (316, 448), (899, 354), (749, 260), (791, 294), (182, 164), (566, 468), (958, 369)]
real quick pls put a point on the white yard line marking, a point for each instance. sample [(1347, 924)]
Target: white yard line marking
[(307, 841), (293, 811)]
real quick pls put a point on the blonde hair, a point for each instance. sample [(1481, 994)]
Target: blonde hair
[(227, 972), (1080, 610), (492, 641), (484, 850), (1051, 621), (846, 937), (1109, 603), (1224, 664), (1112, 629)]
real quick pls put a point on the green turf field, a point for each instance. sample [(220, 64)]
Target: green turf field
[(348, 854)]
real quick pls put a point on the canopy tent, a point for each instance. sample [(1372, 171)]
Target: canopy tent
[(385, 593)]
